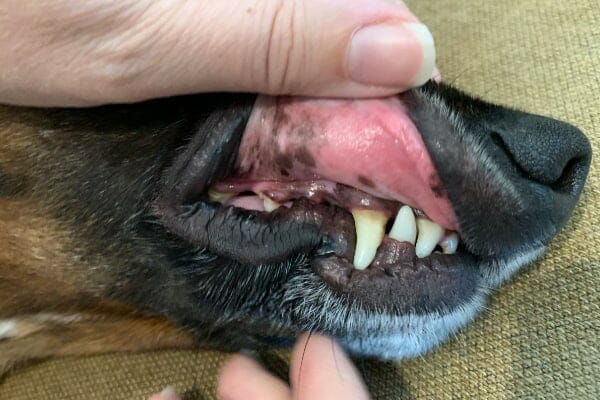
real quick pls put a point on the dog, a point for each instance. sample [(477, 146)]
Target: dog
[(233, 221)]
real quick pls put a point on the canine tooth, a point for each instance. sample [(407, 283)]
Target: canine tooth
[(405, 226), (218, 197), (370, 230), (430, 234), (450, 243)]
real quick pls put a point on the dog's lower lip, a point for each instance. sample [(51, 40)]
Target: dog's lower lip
[(397, 278), (374, 219), (411, 284)]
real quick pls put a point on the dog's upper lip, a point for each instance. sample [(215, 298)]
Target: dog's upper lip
[(368, 144), (211, 152)]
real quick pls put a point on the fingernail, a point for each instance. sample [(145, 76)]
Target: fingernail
[(169, 394), (400, 55), (250, 354)]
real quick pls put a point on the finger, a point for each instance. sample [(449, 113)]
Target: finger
[(321, 370), (244, 379), (399, 3), (311, 47), (136, 50)]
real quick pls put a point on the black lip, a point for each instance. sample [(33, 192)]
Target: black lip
[(434, 283), (396, 279)]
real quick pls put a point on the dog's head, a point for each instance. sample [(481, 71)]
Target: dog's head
[(237, 218)]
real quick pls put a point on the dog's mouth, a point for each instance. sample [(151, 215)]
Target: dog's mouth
[(355, 187), (390, 230)]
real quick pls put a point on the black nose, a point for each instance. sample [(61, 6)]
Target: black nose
[(513, 178), (547, 151), (544, 165)]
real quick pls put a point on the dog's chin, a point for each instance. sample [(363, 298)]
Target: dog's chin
[(267, 305), (267, 275), (396, 336)]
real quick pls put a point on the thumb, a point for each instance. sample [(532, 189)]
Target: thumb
[(358, 48)]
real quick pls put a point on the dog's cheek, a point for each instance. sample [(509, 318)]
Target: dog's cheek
[(11, 185), (41, 265)]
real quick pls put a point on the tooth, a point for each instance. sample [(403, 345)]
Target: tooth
[(430, 234), (370, 229), (270, 205), (450, 243), (405, 227), (218, 197)]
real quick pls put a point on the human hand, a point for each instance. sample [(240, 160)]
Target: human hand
[(319, 370), (65, 53)]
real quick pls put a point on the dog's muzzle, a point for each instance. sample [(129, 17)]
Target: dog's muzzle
[(400, 204)]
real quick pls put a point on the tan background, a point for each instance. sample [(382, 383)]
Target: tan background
[(540, 335)]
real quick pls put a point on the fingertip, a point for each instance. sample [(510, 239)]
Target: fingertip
[(437, 75), (235, 366), (394, 55), (234, 369), (428, 53), (312, 353), (321, 369), (167, 394), (242, 378)]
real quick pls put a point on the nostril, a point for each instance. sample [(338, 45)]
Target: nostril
[(567, 182), (545, 151), (572, 176)]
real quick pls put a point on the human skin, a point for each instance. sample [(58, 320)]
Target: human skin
[(319, 369), (64, 53)]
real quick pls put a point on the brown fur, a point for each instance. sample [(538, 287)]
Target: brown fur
[(40, 336), (49, 292), (54, 305)]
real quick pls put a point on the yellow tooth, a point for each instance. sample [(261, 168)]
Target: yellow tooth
[(430, 234), (370, 230), (270, 204), (218, 197), (449, 244), (405, 226)]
